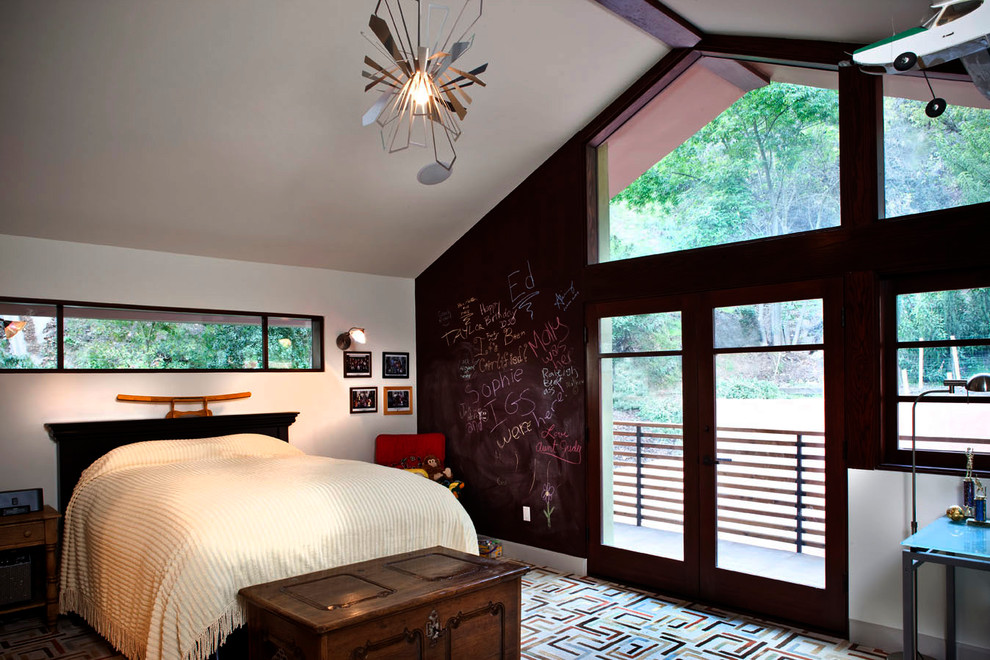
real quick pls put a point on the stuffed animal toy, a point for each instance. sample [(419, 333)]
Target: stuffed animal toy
[(435, 470)]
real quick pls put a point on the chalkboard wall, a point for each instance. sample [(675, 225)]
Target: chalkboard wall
[(500, 349)]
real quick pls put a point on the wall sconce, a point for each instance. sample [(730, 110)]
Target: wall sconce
[(354, 334)]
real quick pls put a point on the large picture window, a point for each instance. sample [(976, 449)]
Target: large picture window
[(708, 163), (941, 340), (934, 164), (90, 337)]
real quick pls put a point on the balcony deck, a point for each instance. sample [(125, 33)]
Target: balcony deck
[(770, 487), (799, 568)]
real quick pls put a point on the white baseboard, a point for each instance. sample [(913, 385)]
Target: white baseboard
[(890, 640), (540, 557)]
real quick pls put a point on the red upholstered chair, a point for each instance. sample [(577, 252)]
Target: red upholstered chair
[(407, 450), (392, 449)]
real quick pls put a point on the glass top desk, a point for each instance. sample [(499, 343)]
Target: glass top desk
[(951, 544)]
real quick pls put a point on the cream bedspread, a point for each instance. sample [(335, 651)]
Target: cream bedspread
[(160, 536)]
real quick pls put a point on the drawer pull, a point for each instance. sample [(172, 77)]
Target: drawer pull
[(27, 533)]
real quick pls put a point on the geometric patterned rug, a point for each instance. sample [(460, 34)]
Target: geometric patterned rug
[(564, 617), (27, 638)]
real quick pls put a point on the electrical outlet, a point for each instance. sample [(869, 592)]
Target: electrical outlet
[(525, 514)]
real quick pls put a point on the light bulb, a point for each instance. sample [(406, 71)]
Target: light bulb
[(357, 334), (419, 88)]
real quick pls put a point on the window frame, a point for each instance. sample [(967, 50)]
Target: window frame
[(860, 253), (946, 462), (734, 69), (319, 353)]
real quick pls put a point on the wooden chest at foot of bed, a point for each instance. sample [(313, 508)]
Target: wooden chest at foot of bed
[(429, 604)]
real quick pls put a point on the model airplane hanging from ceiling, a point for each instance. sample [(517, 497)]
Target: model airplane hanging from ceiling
[(957, 29)]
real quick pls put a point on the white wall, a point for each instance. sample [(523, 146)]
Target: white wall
[(35, 268), (879, 519)]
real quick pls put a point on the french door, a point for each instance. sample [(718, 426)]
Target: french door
[(716, 439)]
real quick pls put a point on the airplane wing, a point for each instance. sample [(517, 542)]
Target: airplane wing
[(978, 67)]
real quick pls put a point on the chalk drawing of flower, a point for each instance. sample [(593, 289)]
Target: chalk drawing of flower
[(548, 492)]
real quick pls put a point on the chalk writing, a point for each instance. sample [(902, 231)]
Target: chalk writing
[(488, 326), (563, 300), (468, 324), (501, 361), (514, 433), (490, 389), (493, 314), (509, 337), (561, 448), (516, 361), (560, 379), (520, 403), (522, 289), (549, 344), (475, 417)]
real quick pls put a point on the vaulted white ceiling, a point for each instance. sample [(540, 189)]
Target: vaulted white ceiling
[(232, 128)]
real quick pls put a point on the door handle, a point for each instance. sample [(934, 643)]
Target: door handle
[(708, 460)]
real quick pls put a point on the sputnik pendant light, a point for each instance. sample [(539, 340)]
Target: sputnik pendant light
[(422, 98)]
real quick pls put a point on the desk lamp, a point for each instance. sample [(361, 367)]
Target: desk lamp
[(978, 383)]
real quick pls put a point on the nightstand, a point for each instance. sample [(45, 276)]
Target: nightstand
[(37, 534)]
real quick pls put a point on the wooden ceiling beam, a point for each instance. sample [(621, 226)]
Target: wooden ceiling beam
[(804, 52), (773, 49), (654, 18)]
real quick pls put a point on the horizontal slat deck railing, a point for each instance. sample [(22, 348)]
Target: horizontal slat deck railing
[(771, 483)]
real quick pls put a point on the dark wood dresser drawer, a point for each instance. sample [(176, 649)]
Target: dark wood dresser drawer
[(28, 533), (436, 603)]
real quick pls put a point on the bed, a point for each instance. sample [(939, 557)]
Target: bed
[(165, 520)]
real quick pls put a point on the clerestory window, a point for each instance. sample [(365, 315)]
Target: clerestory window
[(717, 159), (934, 164), (42, 336)]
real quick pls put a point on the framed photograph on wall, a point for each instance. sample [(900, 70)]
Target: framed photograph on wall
[(395, 365), (364, 399), (398, 400), (357, 364)]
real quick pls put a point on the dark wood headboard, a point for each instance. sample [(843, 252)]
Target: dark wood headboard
[(81, 443)]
